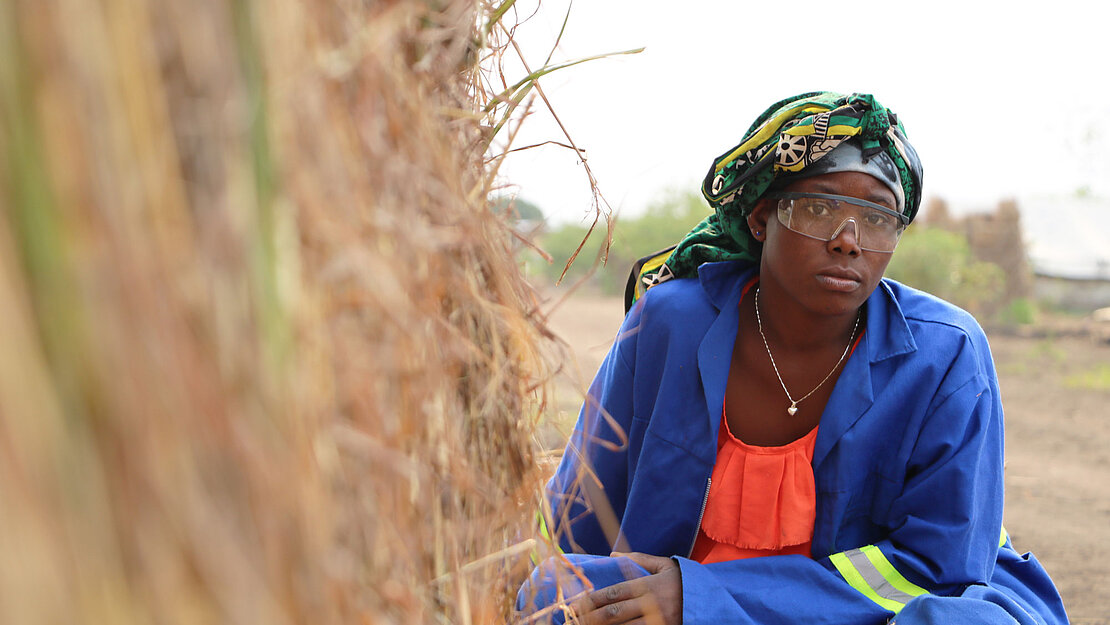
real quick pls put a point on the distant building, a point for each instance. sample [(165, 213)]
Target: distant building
[(998, 238), (1069, 247), (1066, 241)]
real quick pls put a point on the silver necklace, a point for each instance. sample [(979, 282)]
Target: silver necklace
[(794, 402)]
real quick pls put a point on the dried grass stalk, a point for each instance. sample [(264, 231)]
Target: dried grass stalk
[(267, 355)]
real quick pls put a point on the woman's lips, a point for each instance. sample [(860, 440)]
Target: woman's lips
[(842, 283)]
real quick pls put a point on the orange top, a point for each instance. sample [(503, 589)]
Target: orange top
[(762, 500)]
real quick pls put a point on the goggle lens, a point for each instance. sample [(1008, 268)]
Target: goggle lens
[(823, 217)]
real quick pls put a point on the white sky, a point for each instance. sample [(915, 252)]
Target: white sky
[(1000, 99)]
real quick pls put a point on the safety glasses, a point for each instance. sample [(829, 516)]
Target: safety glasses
[(823, 217)]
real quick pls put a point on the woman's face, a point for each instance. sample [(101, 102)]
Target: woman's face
[(825, 277)]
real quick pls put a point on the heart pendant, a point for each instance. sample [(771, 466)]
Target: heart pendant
[(792, 409)]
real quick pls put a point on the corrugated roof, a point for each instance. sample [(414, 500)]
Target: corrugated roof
[(1067, 237)]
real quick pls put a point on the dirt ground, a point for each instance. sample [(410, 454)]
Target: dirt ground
[(1056, 392)]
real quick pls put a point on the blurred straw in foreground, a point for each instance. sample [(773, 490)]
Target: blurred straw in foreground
[(266, 357)]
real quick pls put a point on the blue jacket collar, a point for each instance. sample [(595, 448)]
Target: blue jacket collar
[(887, 324), (720, 281)]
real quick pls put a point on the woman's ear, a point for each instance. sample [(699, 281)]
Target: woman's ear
[(758, 218)]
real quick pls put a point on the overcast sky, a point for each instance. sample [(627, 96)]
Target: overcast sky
[(1000, 99)]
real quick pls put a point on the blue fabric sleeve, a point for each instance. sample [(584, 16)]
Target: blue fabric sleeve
[(773, 589), (979, 605), (587, 493), (558, 581), (1022, 579), (945, 524)]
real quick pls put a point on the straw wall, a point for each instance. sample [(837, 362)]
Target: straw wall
[(267, 357)]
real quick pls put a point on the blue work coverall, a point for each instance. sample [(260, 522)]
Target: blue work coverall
[(907, 465)]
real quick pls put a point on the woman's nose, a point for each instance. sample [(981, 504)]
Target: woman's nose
[(846, 238)]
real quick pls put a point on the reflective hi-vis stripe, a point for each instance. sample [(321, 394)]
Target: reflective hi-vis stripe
[(541, 521), (868, 571)]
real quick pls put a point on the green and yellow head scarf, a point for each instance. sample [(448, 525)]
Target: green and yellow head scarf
[(789, 136)]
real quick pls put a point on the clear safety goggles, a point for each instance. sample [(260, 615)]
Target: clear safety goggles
[(823, 217)]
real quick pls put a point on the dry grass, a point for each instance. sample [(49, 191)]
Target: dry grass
[(267, 356)]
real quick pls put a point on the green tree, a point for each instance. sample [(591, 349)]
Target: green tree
[(521, 208), (663, 223)]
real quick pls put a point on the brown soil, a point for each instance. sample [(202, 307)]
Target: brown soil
[(1055, 388)]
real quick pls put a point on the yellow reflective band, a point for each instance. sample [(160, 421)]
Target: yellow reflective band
[(541, 520), (543, 525), (855, 580), (868, 571), (1002, 538), (891, 574)]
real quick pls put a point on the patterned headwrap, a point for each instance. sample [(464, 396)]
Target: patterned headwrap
[(789, 136)]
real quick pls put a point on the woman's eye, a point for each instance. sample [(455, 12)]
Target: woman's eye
[(819, 209), (879, 219)]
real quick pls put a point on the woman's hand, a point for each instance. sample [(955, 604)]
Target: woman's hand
[(652, 600)]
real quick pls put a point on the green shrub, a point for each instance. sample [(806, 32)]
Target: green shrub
[(1096, 378), (1021, 311)]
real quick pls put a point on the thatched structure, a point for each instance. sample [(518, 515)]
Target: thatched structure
[(267, 357)]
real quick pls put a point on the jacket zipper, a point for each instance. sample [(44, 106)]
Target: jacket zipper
[(704, 501)]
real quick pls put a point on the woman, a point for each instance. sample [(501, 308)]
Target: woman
[(778, 434)]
